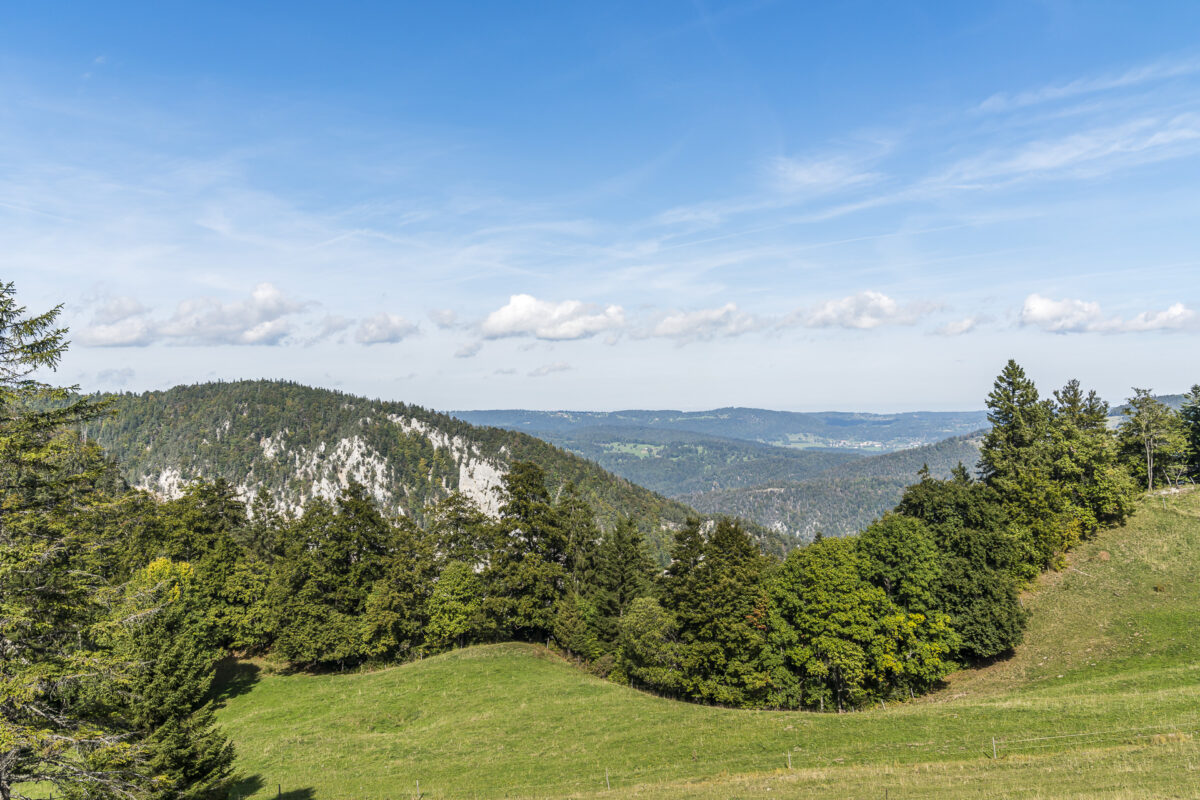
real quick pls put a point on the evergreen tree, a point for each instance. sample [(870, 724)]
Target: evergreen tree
[(713, 589), (397, 610), (54, 728), (1084, 461), (1190, 413), (624, 572), (319, 589), (158, 628), (526, 573), (1015, 460)]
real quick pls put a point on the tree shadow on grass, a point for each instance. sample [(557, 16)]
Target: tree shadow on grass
[(249, 786), (233, 678)]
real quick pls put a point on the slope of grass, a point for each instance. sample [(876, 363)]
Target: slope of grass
[(1102, 701)]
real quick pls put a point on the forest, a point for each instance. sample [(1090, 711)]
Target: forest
[(116, 606)]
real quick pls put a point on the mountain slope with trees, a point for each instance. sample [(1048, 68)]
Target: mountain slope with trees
[(298, 444), (843, 499)]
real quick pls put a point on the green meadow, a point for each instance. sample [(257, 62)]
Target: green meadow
[(1101, 701)]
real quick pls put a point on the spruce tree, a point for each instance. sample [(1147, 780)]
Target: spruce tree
[(55, 726), (1190, 414)]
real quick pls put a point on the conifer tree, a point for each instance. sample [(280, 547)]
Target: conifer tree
[(54, 728), (1190, 413), (624, 572), (1153, 436)]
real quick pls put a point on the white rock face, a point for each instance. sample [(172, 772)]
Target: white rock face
[(478, 478), (331, 470), (168, 484)]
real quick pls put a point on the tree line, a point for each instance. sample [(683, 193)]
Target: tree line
[(116, 606)]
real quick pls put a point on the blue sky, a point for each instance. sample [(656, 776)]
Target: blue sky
[(804, 206)]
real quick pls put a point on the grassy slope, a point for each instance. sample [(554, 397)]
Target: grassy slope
[(1109, 663)]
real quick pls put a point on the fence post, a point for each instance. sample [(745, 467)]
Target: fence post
[(993, 748)]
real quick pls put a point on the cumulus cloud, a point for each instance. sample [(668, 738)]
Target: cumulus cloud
[(261, 320), (549, 369), (133, 332), (1080, 316), (862, 311), (705, 323), (469, 350), (384, 329), (525, 315)]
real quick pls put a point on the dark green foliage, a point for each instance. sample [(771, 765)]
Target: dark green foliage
[(900, 556), (1190, 413), (319, 589), (624, 572), (1084, 461), (397, 609), (260, 433), (159, 627), (56, 725), (526, 574), (714, 591), (977, 586)]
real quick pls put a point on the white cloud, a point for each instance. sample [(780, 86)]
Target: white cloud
[(525, 315), (1080, 316), (133, 332), (862, 311), (384, 329), (469, 350), (549, 369), (261, 320), (705, 324)]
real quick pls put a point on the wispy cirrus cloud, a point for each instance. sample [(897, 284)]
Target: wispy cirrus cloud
[(1071, 315), (1145, 73), (549, 369)]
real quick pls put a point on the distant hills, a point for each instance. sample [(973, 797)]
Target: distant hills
[(822, 429), (843, 499), (720, 461)]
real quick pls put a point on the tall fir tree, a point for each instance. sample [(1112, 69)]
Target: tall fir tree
[(54, 728)]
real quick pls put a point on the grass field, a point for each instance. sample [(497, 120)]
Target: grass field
[(1102, 701)]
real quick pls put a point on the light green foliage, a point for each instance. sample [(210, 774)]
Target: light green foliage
[(1153, 438), (455, 608), (650, 654), (842, 641)]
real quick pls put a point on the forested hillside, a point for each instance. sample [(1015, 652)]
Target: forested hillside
[(824, 429), (298, 443), (843, 499), (674, 462)]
